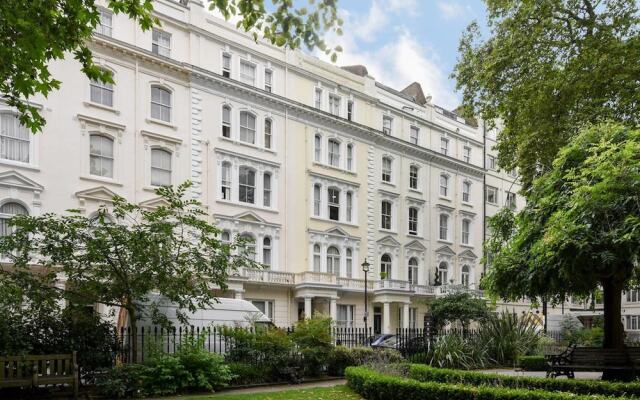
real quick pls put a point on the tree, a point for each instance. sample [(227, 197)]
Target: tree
[(458, 307), (36, 32), (580, 229), (549, 68), (120, 256)]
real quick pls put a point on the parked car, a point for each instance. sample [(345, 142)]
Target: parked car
[(407, 345), (375, 340)]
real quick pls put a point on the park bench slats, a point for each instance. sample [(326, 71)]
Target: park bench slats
[(35, 370), (592, 359)]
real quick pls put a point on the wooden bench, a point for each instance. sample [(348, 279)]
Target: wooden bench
[(34, 370), (591, 359)]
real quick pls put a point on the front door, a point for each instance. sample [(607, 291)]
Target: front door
[(377, 320)]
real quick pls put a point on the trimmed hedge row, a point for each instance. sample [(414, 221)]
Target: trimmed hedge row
[(375, 386), (424, 373), (532, 363)]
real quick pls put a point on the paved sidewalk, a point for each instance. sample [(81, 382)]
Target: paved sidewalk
[(542, 374)]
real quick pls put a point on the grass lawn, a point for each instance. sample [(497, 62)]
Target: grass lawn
[(324, 393)]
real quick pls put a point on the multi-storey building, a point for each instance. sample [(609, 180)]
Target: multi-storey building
[(323, 167)]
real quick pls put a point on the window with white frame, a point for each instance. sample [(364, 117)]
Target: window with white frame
[(465, 275), (491, 162), (249, 243), (334, 152), (466, 227), (226, 65), (413, 317), (105, 23), (247, 73), (226, 121), (633, 322), (492, 195), (387, 123), (316, 199), (7, 211), (266, 307), (350, 157), (444, 146), (633, 295), (266, 251), (226, 181), (160, 104), (317, 99), (385, 212), (511, 200), (161, 43), (349, 207), (317, 148), (101, 92), (101, 156), (333, 260), (412, 273), (247, 127), (334, 104), (316, 258), (413, 221), (413, 177), (414, 135), (466, 191), (466, 154), (349, 263), (268, 80), (225, 237), (444, 227), (247, 185), (266, 189), (350, 110), (333, 202), (385, 266), (15, 139), (387, 171), (443, 273), (160, 167), (444, 185), (268, 135), (346, 313)]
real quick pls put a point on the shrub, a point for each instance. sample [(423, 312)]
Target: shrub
[(376, 386), (532, 363), (507, 337), (203, 370), (455, 351), (313, 339), (248, 374), (342, 357), (124, 381), (424, 373)]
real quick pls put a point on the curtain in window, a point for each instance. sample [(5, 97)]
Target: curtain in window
[(14, 139)]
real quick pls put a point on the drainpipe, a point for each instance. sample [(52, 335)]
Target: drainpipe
[(484, 188)]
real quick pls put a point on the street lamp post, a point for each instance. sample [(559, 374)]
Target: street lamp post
[(365, 269)]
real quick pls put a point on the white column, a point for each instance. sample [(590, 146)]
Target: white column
[(386, 317), (333, 309), (307, 307), (323, 257), (405, 315)]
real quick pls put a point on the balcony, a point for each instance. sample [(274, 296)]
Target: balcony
[(393, 284), (265, 276), (444, 290), (316, 277), (354, 284), (423, 290)]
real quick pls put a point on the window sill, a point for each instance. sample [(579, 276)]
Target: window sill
[(445, 241), (100, 179), (391, 231), (249, 205), (19, 164), (415, 191), (444, 198), (415, 236), (492, 204), (102, 107), (315, 217), (467, 204), (253, 146), (162, 123), (332, 167), (392, 184)]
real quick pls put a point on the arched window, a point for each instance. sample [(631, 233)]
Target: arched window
[(266, 251), (160, 103), (247, 127), (385, 266), (386, 169), (15, 139), (250, 245), (316, 258), (226, 121), (7, 211), (333, 260), (444, 185), (160, 167), (226, 180), (350, 157), (333, 201), (349, 207), (334, 153), (413, 221), (413, 177), (443, 273), (465, 275), (247, 185), (267, 133), (444, 227), (349, 263), (316, 199), (317, 149), (101, 92), (101, 156), (466, 226), (466, 191), (385, 212), (266, 188), (412, 273)]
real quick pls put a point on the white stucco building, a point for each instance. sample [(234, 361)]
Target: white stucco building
[(322, 166)]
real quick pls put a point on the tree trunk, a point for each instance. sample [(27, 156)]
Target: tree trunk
[(133, 325), (613, 328)]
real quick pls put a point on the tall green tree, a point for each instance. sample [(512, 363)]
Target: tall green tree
[(580, 229), (36, 32), (118, 257), (458, 307), (547, 68)]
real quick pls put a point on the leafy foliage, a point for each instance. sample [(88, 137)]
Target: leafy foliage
[(456, 351), (37, 32), (548, 68), (342, 357), (313, 339), (458, 307), (532, 363), (508, 336)]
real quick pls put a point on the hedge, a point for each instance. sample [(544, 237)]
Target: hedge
[(425, 373), (532, 363), (375, 386)]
